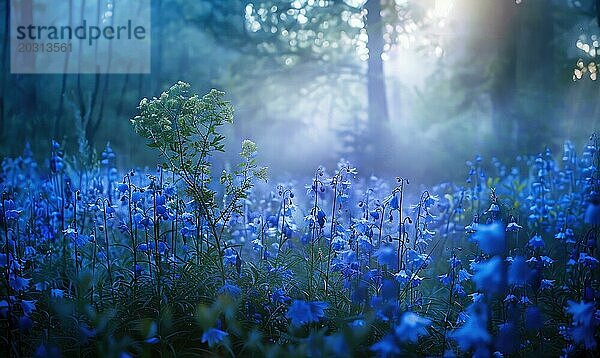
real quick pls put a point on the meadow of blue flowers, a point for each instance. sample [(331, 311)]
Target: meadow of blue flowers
[(185, 260)]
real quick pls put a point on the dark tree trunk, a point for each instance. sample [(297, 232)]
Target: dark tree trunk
[(505, 116), (536, 97), (377, 101)]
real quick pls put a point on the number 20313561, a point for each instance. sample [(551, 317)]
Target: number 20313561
[(37, 47)]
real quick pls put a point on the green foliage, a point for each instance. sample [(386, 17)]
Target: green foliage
[(186, 130)]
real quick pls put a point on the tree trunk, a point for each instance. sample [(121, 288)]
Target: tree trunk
[(505, 117), (538, 100), (377, 101)]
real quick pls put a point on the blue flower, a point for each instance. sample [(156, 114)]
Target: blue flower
[(28, 307), (488, 275), (279, 296), (213, 336), (387, 347), (546, 284), (230, 257), (513, 226), (519, 272), (592, 214), (230, 290), (162, 247), (445, 279), (464, 275), (536, 242), (386, 255), (582, 312), (357, 323), (10, 210), (122, 188), (584, 335), (507, 340), (19, 283), (321, 218), (490, 238), (389, 289), (394, 204), (474, 332), (302, 312), (411, 327)]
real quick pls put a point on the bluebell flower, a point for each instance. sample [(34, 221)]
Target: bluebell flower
[(490, 238), (19, 283), (582, 312), (417, 260), (386, 255), (454, 262), (460, 290), (162, 247), (507, 340), (302, 312), (474, 332), (394, 203), (374, 214), (188, 230), (365, 244), (28, 307), (357, 323), (213, 336), (592, 214), (546, 260), (10, 210), (321, 218), (411, 327), (584, 335), (402, 277), (389, 289), (336, 345), (519, 272), (587, 260), (488, 275), (536, 242), (122, 188), (230, 290), (279, 296), (386, 347), (463, 275), (513, 226), (546, 284), (445, 279), (137, 196), (494, 209), (230, 257), (272, 221)]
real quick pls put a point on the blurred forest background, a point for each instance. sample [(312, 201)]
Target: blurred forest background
[(399, 87)]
